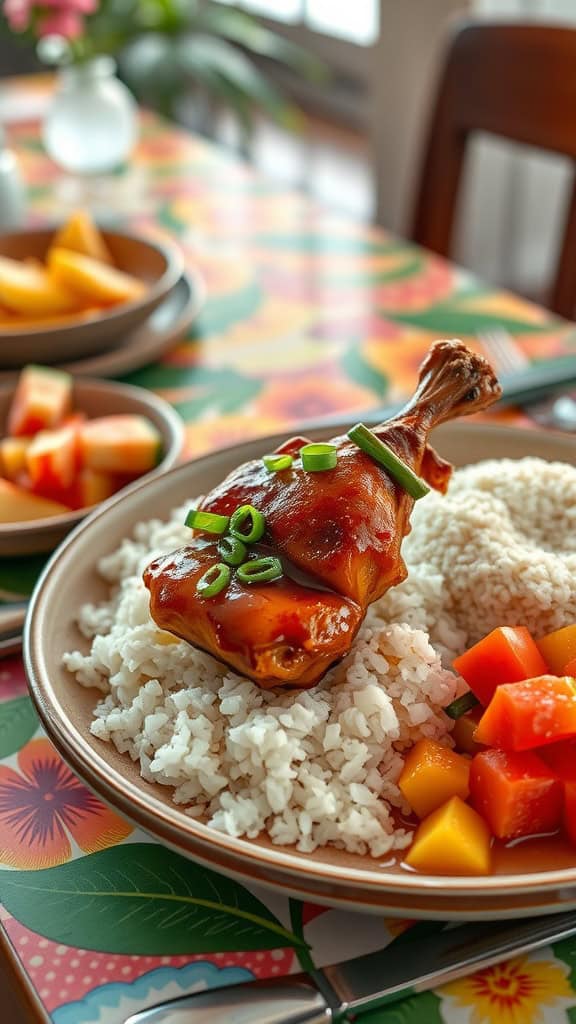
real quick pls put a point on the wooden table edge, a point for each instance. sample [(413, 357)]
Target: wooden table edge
[(23, 990)]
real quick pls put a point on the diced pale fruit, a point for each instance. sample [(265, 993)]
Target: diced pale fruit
[(453, 840), (80, 234), (17, 505), (13, 456), (93, 487), (33, 291), (431, 775), (558, 648), (93, 282), (120, 444), (42, 399), (51, 460)]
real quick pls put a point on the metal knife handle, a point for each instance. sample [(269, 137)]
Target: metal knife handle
[(290, 1001)]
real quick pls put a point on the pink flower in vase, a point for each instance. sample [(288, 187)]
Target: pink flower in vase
[(18, 13), (63, 18)]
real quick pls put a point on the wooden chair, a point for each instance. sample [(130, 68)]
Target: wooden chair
[(513, 80)]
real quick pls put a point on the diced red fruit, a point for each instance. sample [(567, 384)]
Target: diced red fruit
[(529, 714), (517, 794), (120, 444), (42, 399), (507, 655), (52, 459), (561, 759), (18, 505)]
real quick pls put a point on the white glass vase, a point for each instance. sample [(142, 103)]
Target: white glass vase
[(92, 123)]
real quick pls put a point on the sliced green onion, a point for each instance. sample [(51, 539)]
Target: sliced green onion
[(210, 522), (260, 570), (214, 580), (276, 463), (461, 705), (247, 524), (366, 440), (232, 550), (317, 457)]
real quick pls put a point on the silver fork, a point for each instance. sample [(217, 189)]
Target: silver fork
[(507, 357)]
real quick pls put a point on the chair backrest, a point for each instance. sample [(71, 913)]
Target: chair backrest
[(514, 80)]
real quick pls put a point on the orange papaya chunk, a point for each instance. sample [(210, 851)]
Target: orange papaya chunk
[(80, 234), (32, 291), (93, 282)]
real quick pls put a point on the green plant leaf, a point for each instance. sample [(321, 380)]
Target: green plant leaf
[(450, 321), (141, 898), (240, 28), (363, 373), (18, 723)]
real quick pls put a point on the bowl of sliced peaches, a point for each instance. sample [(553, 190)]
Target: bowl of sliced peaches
[(76, 290), (67, 445)]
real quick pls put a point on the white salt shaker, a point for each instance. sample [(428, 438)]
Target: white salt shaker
[(12, 191)]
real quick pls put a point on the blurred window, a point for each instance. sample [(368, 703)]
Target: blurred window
[(354, 22)]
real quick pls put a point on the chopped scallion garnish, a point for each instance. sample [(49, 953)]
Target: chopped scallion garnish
[(209, 522), (214, 580), (404, 476), (318, 457), (461, 705), (276, 463), (232, 550), (260, 570), (247, 524)]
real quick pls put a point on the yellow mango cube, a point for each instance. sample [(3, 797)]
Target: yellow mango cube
[(80, 234), (453, 840), (94, 282), (558, 648), (431, 775)]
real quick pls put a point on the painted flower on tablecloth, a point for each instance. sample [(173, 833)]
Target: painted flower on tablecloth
[(43, 806), (516, 992), (297, 397)]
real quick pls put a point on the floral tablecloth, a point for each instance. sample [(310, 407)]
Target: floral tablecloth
[(308, 314)]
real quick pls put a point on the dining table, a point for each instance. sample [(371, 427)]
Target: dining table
[(308, 313)]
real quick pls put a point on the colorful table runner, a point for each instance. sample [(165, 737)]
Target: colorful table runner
[(308, 314)]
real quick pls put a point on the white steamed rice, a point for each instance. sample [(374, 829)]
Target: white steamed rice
[(320, 767)]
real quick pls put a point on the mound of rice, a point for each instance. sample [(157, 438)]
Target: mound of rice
[(320, 767)]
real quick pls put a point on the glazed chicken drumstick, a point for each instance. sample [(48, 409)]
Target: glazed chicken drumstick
[(337, 535)]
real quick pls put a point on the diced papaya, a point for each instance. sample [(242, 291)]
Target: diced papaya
[(558, 648), (13, 456), (92, 487), (507, 655), (518, 794), (32, 291), (453, 840), (52, 459), (464, 732), (43, 397), (120, 444), (18, 505), (529, 714), (570, 669), (80, 234), (94, 282), (431, 775)]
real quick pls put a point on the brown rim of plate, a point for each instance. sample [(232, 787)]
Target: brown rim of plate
[(170, 276), (278, 866)]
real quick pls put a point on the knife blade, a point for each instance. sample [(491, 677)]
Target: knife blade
[(365, 982)]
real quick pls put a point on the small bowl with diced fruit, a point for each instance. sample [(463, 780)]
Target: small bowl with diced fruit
[(72, 291), (68, 444)]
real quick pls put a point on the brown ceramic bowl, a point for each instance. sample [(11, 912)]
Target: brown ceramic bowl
[(95, 398), (541, 882), (158, 265)]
